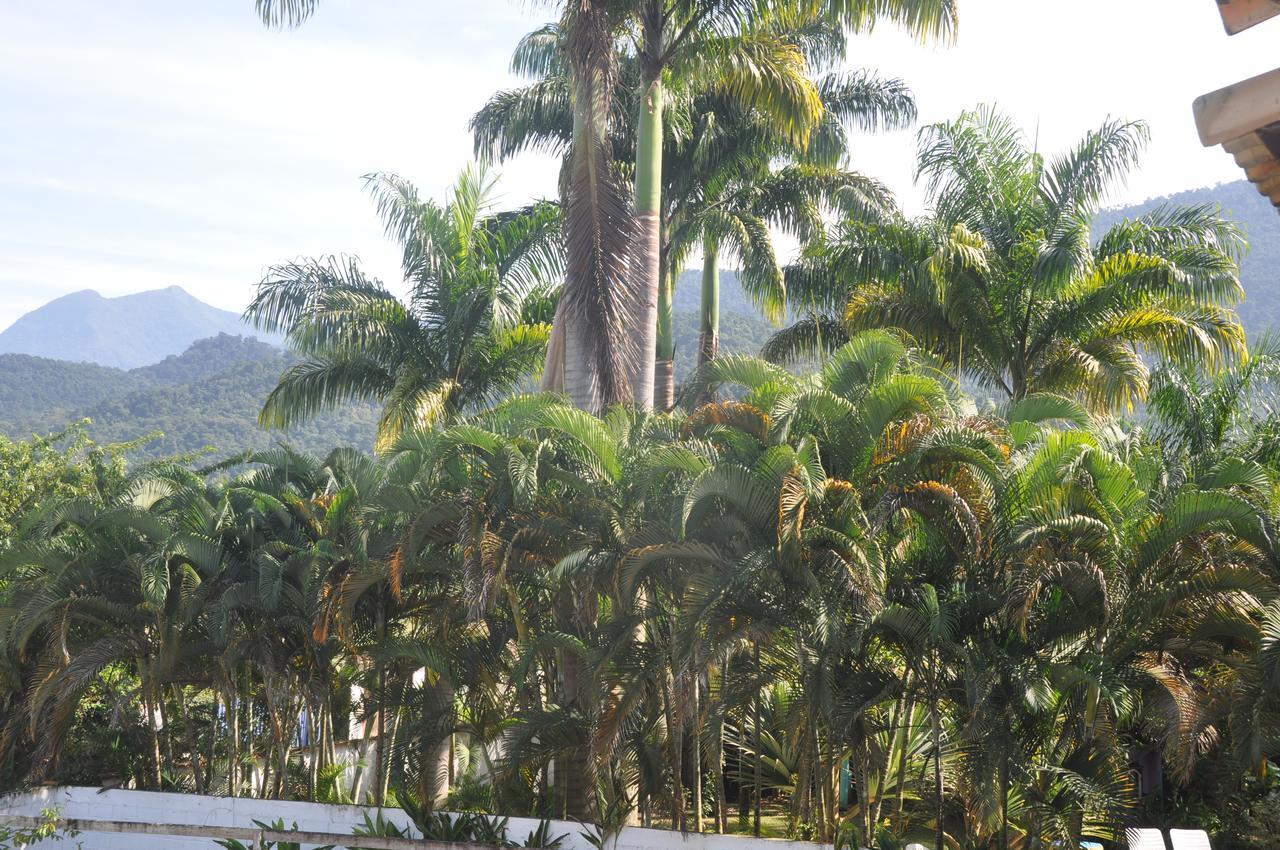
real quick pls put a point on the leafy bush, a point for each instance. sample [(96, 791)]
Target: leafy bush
[(380, 827), (278, 826)]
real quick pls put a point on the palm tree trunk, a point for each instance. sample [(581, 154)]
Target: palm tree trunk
[(1004, 796), (709, 318), (697, 753), (379, 747), (577, 764), (233, 754), (581, 383), (939, 832), (670, 683), (189, 734), (166, 730), (438, 761), (148, 706), (756, 779), (902, 762), (664, 380), (648, 206)]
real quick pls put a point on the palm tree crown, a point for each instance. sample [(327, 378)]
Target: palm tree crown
[(474, 323), (1006, 284)]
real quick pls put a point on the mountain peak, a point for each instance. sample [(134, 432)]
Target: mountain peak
[(126, 331)]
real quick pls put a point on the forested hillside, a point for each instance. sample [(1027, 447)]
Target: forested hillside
[(206, 398)]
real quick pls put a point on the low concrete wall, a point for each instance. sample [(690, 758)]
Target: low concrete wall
[(150, 807)]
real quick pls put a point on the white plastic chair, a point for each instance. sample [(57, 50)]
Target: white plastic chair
[(1190, 839), (1144, 839)]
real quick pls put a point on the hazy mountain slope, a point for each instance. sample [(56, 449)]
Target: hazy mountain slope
[(208, 397), (124, 332)]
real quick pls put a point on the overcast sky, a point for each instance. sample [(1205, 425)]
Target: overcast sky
[(145, 143)]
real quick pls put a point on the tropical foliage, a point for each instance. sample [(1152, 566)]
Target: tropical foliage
[(984, 619), (474, 323), (844, 596), (1004, 282)]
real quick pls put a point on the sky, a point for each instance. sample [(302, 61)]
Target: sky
[(148, 143)]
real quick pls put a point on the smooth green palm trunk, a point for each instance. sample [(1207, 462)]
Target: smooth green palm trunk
[(664, 379), (648, 201)]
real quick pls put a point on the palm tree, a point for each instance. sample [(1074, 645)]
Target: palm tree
[(735, 180), (1005, 284), (472, 327), (743, 196), (738, 49)]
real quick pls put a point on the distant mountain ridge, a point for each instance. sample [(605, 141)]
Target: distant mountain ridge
[(123, 332)]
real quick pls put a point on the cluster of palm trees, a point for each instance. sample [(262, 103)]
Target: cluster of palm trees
[(983, 620), (822, 582)]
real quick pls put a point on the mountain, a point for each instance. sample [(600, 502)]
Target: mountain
[(208, 397), (125, 332), (1260, 269)]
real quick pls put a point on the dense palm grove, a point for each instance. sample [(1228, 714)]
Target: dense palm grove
[(979, 552)]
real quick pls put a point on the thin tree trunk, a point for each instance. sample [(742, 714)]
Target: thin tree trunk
[(577, 764), (755, 827), (148, 706), (379, 747), (313, 747), (673, 747), (1004, 798), (664, 387), (896, 740), (233, 757), (722, 803), (902, 762), (212, 760), (697, 753), (709, 313), (437, 768), (393, 730), (648, 207), (939, 831), (189, 735), (166, 730)]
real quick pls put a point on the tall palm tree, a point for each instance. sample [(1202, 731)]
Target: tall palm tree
[(1004, 282), (471, 328), (743, 49), (733, 180), (719, 144)]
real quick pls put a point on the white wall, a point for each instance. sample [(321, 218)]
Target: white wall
[(150, 807)]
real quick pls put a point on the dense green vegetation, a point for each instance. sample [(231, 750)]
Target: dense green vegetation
[(207, 398), (1015, 623), (852, 559)]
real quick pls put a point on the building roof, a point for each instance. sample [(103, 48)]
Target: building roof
[(1239, 15), (1245, 119)]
